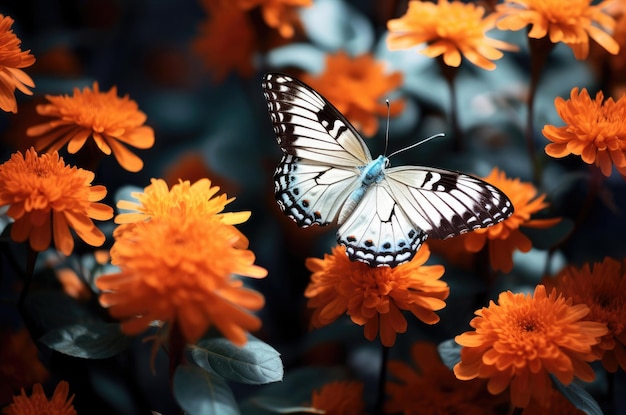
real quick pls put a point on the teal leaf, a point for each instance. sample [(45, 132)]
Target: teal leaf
[(450, 352), (88, 341), (254, 363), (199, 392), (546, 238), (281, 406), (579, 397)]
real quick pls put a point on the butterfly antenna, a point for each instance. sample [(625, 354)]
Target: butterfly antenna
[(387, 129), (416, 144)]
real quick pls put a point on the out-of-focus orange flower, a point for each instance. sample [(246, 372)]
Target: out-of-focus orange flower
[(278, 14), (19, 363), (174, 242), (357, 87), (432, 389), (38, 403), (374, 297), (595, 130), (557, 404), (452, 29), (48, 197), (520, 341), (340, 398), (505, 237), (572, 22), (602, 287), (12, 58), (227, 25), (111, 121)]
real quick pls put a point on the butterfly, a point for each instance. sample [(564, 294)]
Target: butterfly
[(384, 214)]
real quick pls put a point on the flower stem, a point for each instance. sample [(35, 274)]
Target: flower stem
[(539, 51), (449, 73), (382, 380), (31, 259), (518, 411), (176, 349)]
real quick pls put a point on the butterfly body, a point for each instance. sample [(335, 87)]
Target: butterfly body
[(384, 214)]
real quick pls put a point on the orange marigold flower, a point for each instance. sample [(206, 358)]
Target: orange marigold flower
[(595, 130), (450, 29), (38, 403), (340, 398), (174, 242), (520, 341), (557, 404), (373, 297), (278, 14), (505, 237), (12, 58), (110, 120), (48, 197), (226, 26), (602, 287), (433, 389), (572, 22), (356, 86)]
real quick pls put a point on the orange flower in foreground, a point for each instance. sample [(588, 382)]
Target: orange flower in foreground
[(595, 130), (278, 14), (38, 403), (217, 36), (187, 238), (357, 86), (433, 389), (374, 297), (111, 121), (340, 398), (452, 29), (505, 237), (602, 287), (520, 341), (571, 22), (47, 198), (12, 58)]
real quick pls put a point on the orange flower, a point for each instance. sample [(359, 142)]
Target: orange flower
[(520, 341), (110, 120), (47, 198), (38, 403), (557, 405), (356, 86), (277, 14), (572, 22), (174, 242), (450, 29), (373, 297), (340, 398), (505, 237), (595, 130), (19, 363), (11, 60), (602, 287), (227, 26), (432, 389)]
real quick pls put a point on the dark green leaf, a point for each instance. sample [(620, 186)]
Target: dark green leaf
[(450, 352), (579, 397), (548, 237), (199, 392), (255, 363), (89, 341)]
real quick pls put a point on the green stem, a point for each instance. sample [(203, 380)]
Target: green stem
[(31, 259), (382, 380), (449, 74)]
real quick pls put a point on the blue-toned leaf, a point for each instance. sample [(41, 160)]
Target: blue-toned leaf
[(579, 397), (281, 406), (450, 352), (254, 363), (548, 237), (89, 341), (199, 392)]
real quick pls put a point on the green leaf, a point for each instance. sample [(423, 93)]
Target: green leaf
[(254, 363), (546, 238), (89, 341), (199, 392), (450, 353), (579, 397), (281, 406)]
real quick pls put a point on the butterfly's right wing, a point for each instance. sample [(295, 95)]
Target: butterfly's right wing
[(309, 127)]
